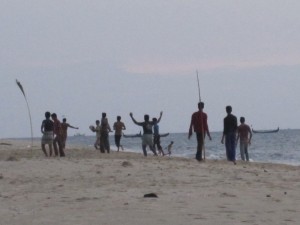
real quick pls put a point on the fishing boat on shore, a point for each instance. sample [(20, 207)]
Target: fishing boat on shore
[(79, 135), (132, 135), (140, 135), (265, 131)]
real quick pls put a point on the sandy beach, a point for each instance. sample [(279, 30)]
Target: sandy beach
[(87, 187)]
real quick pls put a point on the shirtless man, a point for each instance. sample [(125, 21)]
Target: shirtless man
[(245, 135), (118, 127), (64, 128), (58, 136)]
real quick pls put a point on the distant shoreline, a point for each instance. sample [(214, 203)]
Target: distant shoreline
[(18, 145), (90, 134)]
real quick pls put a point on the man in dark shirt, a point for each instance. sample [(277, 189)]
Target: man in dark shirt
[(199, 123), (104, 136), (47, 131), (147, 138), (229, 134)]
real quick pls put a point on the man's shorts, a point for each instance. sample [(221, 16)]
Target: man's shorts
[(47, 137), (147, 139)]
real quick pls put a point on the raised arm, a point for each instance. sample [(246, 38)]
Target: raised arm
[(131, 115), (160, 116)]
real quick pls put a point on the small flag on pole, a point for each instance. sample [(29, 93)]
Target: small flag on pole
[(21, 87)]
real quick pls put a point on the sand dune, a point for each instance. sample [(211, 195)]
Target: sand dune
[(87, 187)]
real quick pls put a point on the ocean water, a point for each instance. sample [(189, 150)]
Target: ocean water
[(282, 147)]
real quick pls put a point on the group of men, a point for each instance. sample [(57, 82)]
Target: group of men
[(232, 133), (150, 138), (54, 134), (102, 130)]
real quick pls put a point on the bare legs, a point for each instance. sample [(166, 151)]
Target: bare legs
[(151, 148), (44, 149)]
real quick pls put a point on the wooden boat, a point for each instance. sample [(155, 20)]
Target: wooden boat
[(132, 135), (265, 131), (79, 135), (164, 135), (140, 135)]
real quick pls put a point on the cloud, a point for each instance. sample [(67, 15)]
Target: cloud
[(166, 67)]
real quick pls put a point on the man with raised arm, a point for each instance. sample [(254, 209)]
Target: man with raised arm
[(147, 138)]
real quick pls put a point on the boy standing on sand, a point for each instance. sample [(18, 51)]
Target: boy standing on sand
[(244, 132), (118, 127), (169, 147), (47, 131)]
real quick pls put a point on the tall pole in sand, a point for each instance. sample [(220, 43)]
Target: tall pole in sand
[(198, 86), (202, 128), (21, 88)]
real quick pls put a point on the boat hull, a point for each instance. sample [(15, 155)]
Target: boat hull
[(265, 131)]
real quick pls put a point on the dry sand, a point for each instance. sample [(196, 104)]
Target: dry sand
[(87, 187)]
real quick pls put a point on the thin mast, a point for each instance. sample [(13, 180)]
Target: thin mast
[(21, 88), (198, 86)]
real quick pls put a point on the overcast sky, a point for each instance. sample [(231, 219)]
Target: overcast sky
[(82, 58)]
